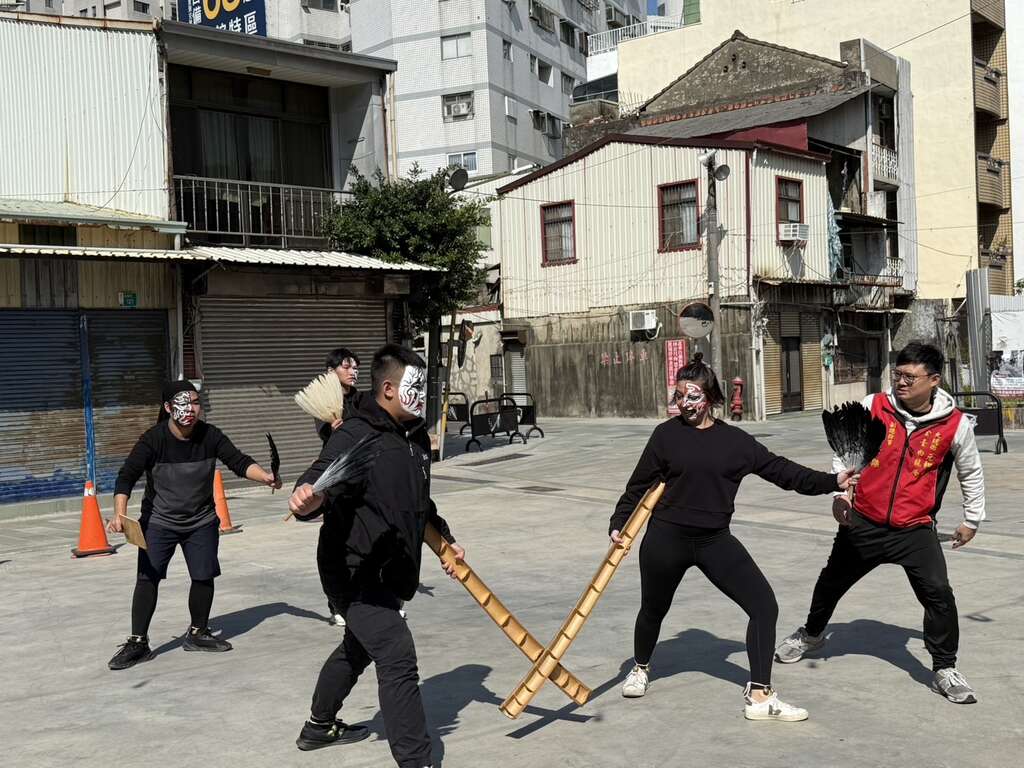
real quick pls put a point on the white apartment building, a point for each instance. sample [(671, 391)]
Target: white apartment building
[(482, 84)]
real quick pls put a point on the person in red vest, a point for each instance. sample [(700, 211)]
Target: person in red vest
[(890, 518)]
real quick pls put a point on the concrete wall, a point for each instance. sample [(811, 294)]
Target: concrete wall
[(941, 58), (1015, 65)]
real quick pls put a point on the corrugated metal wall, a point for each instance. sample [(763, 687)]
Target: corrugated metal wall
[(85, 105), (906, 195), (255, 355), (10, 283), (769, 258), (810, 360), (42, 452), (773, 366), (618, 263), (99, 283)]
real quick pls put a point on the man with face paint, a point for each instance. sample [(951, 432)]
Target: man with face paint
[(178, 457), (373, 528), (343, 363), (702, 461)]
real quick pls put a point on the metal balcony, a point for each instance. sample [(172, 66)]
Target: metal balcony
[(885, 165), (603, 42), (991, 187), (987, 89), (889, 276), (253, 213)]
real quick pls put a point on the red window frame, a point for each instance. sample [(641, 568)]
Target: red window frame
[(545, 261), (661, 219), (779, 180)]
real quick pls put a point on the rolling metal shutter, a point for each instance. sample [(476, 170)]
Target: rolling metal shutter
[(810, 360), (517, 371), (128, 360), (772, 343), (255, 354), (42, 449)]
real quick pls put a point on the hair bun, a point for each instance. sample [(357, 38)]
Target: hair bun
[(698, 357)]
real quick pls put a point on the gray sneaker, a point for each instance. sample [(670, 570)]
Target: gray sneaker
[(954, 686), (798, 645)]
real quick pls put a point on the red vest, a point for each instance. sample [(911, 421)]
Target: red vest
[(903, 486)]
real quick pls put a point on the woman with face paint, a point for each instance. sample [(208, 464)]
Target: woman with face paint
[(702, 461), (371, 543), (178, 457)]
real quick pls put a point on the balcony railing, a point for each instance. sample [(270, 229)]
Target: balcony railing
[(987, 91), (603, 42), (990, 181), (253, 213), (890, 276), (885, 164), (992, 11)]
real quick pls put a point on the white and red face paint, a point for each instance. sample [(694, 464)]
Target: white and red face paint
[(412, 390), (184, 409), (692, 401)]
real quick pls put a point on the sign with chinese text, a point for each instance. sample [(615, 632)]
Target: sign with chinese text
[(675, 358), (247, 17)]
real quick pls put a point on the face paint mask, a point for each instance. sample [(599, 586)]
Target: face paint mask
[(181, 409), (692, 402), (412, 390)]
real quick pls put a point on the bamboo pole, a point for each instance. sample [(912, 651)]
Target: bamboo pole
[(551, 656), (502, 616)]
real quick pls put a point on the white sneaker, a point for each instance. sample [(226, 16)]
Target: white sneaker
[(954, 686), (636, 683), (771, 708), (338, 620), (402, 613), (798, 645)]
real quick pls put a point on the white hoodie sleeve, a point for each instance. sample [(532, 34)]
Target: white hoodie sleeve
[(837, 465), (969, 472)]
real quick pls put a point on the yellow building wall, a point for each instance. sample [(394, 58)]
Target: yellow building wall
[(105, 237), (8, 233), (943, 97), (10, 283), (99, 282)]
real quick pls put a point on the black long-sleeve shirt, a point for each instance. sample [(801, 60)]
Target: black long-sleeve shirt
[(702, 470), (350, 407), (179, 474)]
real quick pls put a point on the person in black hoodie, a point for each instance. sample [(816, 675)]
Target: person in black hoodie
[(702, 461), (343, 363), (369, 557)]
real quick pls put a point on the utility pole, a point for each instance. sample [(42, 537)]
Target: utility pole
[(714, 294)]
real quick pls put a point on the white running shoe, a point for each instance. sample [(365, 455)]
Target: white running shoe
[(798, 645), (338, 620), (771, 708), (636, 683), (954, 686)]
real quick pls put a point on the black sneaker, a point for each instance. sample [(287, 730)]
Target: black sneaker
[(134, 650), (203, 640), (314, 736)]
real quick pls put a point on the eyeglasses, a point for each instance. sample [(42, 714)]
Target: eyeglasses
[(899, 377)]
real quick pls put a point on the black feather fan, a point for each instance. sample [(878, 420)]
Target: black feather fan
[(854, 434)]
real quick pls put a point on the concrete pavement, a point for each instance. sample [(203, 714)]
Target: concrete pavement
[(533, 521)]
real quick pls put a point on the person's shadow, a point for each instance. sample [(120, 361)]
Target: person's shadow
[(867, 637), (238, 623)]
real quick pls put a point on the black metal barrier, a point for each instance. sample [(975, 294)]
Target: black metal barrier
[(527, 412), (503, 419), (458, 409), (990, 420)]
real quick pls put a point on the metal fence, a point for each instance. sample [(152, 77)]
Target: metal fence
[(609, 41)]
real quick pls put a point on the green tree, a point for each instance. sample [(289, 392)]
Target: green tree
[(415, 219), (1018, 287)]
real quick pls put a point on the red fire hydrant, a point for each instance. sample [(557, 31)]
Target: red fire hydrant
[(736, 404)]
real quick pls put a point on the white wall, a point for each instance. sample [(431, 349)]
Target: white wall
[(1015, 72)]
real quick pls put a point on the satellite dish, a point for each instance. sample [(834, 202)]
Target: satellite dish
[(696, 320), (458, 179), (722, 172)]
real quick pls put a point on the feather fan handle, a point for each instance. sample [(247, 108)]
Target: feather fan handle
[(323, 398), (348, 465), (853, 434)]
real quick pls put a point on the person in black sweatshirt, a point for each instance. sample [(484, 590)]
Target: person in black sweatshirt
[(369, 557), (702, 460), (178, 456), (343, 363)]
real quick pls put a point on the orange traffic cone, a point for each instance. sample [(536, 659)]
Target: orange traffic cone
[(92, 537), (221, 502)]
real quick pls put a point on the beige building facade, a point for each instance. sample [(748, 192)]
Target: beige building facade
[(957, 52)]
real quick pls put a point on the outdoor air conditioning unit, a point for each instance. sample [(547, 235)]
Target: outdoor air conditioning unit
[(461, 109), (789, 233), (643, 320), (536, 10)]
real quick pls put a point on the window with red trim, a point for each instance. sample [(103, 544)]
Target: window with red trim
[(558, 233), (678, 217), (789, 206)]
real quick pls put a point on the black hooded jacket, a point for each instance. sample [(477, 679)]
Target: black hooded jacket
[(373, 525)]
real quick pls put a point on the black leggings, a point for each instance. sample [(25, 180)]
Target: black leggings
[(665, 555), (200, 601)]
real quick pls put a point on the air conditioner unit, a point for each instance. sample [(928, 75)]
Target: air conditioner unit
[(789, 233), (554, 127), (643, 320), (536, 10), (539, 118), (461, 109)]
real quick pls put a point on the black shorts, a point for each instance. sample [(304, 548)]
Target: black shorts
[(199, 545)]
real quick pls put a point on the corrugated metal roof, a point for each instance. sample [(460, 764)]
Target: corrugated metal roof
[(15, 209), (267, 257), (751, 117)]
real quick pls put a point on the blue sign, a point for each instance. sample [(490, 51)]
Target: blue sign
[(247, 17)]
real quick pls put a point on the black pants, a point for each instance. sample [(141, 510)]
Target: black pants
[(668, 551), (375, 632), (861, 546)]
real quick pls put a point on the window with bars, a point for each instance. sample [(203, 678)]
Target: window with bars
[(789, 206), (558, 233), (568, 83), (506, 50), (678, 216), (567, 33)]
